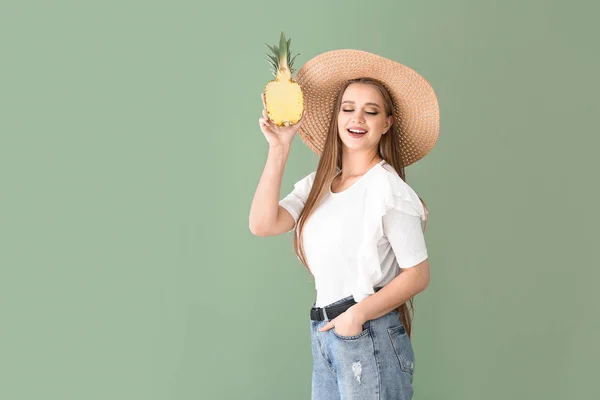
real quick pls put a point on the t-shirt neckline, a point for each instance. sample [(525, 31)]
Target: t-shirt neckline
[(332, 193)]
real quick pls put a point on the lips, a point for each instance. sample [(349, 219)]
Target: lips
[(356, 129), (355, 132)]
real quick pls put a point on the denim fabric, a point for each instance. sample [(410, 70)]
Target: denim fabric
[(376, 364)]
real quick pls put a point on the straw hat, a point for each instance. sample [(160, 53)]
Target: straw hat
[(416, 111)]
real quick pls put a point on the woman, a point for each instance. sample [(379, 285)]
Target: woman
[(357, 222)]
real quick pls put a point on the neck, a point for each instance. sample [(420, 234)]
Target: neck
[(357, 163)]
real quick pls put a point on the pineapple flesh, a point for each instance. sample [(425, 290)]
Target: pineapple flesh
[(283, 96)]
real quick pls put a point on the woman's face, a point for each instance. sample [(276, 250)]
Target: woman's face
[(362, 118)]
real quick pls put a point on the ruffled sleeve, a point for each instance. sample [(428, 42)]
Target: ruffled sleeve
[(387, 191), (295, 200)]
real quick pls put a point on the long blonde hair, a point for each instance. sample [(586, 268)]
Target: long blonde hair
[(331, 159)]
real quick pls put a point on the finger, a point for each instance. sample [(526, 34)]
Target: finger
[(266, 117), (270, 122), (327, 326), (298, 124), (301, 117)]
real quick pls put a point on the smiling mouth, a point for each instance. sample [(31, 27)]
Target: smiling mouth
[(356, 133)]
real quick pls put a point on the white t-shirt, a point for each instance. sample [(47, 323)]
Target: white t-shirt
[(357, 239)]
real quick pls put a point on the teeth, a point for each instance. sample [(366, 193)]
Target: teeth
[(356, 131)]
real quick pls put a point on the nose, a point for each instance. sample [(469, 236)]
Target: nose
[(358, 118)]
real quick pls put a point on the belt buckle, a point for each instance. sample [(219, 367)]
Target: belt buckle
[(325, 314)]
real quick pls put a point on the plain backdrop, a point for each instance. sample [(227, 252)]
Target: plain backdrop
[(129, 155)]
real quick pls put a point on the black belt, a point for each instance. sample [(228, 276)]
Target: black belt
[(332, 311)]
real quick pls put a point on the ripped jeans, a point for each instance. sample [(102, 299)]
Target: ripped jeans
[(376, 364)]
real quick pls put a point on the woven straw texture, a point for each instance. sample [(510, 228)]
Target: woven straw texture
[(416, 110)]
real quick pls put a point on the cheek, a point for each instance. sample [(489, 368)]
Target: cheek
[(380, 123)]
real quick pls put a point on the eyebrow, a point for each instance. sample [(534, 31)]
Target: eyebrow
[(366, 104)]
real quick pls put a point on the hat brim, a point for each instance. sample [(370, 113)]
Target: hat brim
[(416, 110)]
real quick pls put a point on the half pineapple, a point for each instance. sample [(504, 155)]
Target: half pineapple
[(283, 96)]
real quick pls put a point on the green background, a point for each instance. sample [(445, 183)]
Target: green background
[(130, 152)]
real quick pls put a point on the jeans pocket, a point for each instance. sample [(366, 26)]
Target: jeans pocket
[(365, 332), (402, 348)]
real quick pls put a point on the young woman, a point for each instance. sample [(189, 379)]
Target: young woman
[(358, 224)]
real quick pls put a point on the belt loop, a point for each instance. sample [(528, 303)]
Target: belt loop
[(325, 314)]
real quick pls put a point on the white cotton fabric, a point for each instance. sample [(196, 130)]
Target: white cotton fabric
[(358, 239)]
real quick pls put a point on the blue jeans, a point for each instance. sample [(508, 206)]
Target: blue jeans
[(378, 363)]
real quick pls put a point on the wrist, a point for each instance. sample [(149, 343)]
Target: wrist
[(279, 147), (358, 314)]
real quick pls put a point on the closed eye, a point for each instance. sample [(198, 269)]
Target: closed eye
[(371, 113)]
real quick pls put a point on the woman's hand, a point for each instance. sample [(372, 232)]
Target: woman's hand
[(347, 323), (277, 135)]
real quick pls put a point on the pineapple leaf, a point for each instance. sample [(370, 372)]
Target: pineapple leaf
[(272, 48), (283, 43), (272, 58), (272, 69), (281, 53), (271, 65), (291, 64)]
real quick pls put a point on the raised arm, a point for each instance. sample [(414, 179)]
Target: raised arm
[(267, 217)]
